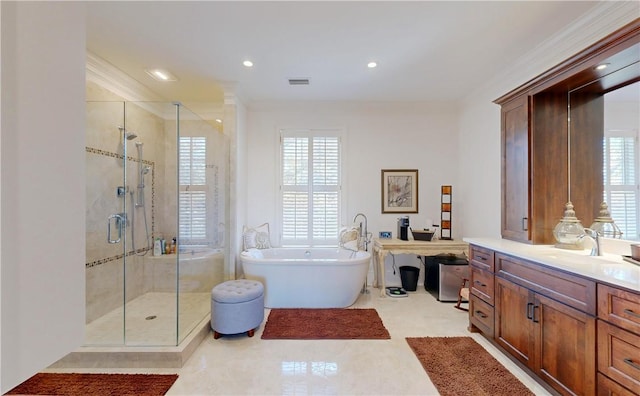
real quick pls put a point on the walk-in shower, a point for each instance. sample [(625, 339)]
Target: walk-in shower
[(173, 186)]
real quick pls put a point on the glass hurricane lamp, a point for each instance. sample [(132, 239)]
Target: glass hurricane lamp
[(604, 224), (569, 231)]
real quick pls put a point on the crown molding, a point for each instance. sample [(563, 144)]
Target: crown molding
[(602, 20), (110, 77), (106, 75)]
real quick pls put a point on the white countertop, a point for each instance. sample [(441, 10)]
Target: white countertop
[(608, 268)]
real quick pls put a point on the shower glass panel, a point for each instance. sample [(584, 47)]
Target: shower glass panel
[(201, 200), (106, 236), (155, 172)]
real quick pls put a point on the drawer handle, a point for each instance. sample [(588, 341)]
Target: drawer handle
[(631, 363), (533, 314), (630, 312), (477, 282), (481, 314), (530, 311)]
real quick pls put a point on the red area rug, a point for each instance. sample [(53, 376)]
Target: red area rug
[(324, 324), (74, 384), (459, 366)]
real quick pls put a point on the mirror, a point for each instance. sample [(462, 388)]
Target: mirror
[(604, 127)]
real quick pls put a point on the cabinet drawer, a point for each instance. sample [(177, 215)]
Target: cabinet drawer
[(481, 315), (482, 258), (619, 307), (606, 387), (619, 355), (482, 285), (574, 291)]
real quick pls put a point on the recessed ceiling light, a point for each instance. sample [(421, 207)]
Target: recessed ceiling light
[(219, 121), (371, 65), (161, 75), (602, 66), (247, 63)]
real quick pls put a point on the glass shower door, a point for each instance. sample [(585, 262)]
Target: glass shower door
[(151, 287), (106, 223)]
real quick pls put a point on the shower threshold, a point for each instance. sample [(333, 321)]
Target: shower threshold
[(150, 316), (137, 356)]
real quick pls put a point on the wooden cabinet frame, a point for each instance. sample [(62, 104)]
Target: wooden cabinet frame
[(535, 133)]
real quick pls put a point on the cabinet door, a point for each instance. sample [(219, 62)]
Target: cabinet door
[(515, 169), (514, 329), (565, 347)]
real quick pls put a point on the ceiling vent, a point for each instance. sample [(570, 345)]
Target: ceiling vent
[(298, 81)]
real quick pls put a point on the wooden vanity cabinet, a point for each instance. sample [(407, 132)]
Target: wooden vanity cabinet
[(481, 296), (546, 320), (580, 336), (619, 341)]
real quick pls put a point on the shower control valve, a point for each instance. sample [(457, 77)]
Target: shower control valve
[(122, 191)]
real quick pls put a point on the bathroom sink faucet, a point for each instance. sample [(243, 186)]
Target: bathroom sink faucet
[(594, 236)]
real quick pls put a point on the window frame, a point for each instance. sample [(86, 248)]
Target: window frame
[(609, 189), (192, 189), (310, 133)]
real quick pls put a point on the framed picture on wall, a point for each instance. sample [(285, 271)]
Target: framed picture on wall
[(399, 191)]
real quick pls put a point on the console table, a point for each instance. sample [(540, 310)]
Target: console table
[(383, 246)]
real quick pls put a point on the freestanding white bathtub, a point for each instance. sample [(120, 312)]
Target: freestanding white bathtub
[(307, 277)]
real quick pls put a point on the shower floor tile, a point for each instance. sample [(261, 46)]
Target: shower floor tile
[(150, 320)]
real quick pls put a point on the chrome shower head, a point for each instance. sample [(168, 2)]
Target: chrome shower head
[(127, 135)]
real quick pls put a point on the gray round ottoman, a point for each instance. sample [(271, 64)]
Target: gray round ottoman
[(237, 306)]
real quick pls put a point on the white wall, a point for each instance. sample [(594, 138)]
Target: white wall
[(237, 114), (379, 136), (43, 185)]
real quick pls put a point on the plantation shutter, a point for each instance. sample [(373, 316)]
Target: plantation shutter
[(620, 181), (310, 200), (193, 193)]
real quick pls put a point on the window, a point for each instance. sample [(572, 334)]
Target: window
[(621, 180), (310, 187), (193, 191)]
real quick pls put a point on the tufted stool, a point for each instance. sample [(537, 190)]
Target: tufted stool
[(237, 306)]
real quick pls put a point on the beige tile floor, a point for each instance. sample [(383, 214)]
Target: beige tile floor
[(239, 365)]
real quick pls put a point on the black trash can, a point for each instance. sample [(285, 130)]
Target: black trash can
[(409, 277)]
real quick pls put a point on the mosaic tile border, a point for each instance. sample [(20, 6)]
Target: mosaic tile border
[(115, 258), (93, 150)]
